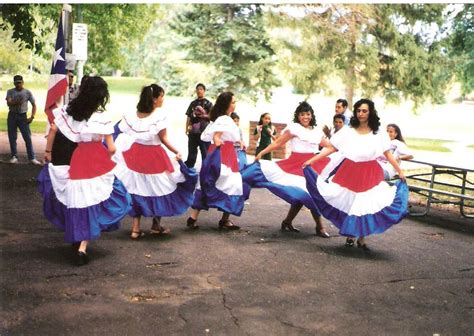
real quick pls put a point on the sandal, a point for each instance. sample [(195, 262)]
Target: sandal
[(160, 231), (288, 226), (321, 233), (349, 242), (227, 224), (191, 223), (363, 246), (157, 229), (135, 235)]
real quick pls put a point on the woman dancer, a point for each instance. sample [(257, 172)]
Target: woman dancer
[(221, 184), (285, 177), (159, 186), (81, 194), (357, 199)]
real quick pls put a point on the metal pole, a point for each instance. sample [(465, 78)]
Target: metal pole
[(80, 64), (67, 9)]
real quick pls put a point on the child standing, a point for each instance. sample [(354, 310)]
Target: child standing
[(221, 184), (399, 149), (239, 145), (81, 194), (159, 186), (264, 134)]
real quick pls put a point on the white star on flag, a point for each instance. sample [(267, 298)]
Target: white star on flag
[(57, 56)]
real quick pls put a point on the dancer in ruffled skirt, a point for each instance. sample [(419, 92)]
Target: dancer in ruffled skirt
[(285, 178), (221, 184), (356, 198), (81, 194), (159, 185)]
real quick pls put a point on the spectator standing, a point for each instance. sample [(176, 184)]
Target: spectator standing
[(196, 121), (73, 89), (264, 133), (339, 109), (17, 101)]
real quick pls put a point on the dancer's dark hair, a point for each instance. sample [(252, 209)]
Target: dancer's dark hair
[(93, 97)]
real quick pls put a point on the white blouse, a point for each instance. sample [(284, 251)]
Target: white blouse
[(144, 130), (94, 129), (304, 140), (360, 147), (224, 124)]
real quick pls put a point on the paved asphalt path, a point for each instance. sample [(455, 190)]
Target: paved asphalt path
[(417, 280)]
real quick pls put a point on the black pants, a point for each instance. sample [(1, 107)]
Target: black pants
[(195, 142)]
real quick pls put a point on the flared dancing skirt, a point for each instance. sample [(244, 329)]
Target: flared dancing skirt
[(284, 178), (357, 199), (221, 184), (84, 198), (158, 185)]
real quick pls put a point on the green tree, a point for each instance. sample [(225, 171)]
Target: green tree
[(371, 48), (462, 47), (230, 38), (111, 27)]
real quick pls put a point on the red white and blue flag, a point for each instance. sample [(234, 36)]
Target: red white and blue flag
[(57, 80)]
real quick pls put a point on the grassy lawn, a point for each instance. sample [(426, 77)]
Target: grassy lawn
[(116, 84), (432, 145), (38, 85)]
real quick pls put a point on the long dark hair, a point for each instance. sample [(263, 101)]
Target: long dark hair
[(304, 107), (260, 122), (221, 106), (399, 136), (374, 120), (147, 95), (93, 96)]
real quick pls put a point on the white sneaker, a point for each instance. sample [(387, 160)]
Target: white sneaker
[(13, 160), (36, 162)]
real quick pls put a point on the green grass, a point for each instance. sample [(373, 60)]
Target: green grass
[(116, 84), (470, 146), (127, 84), (37, 126), (431, 145)]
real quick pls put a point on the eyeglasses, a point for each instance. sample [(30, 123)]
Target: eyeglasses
[(362, 110)]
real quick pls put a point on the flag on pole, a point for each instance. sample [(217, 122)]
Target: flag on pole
[(57, 80)]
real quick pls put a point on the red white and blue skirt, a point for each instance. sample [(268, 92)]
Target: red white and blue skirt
[(84, 198), (158, 186), (221, 184), (284, 178), (357, 199)]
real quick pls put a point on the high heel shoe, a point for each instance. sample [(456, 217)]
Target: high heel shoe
[(191, 223), (362, 246), (349, 242), (135, 235), (288, 226), (321, 233), (227, 224), (82, 258)]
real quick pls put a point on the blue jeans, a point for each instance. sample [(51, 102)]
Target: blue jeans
[(15, 121)]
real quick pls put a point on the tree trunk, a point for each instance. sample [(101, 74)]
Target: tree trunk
[(350, 75)]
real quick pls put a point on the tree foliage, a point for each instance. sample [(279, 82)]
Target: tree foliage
[(372, 48), (110, 27), (462, 47), (232, 39)]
